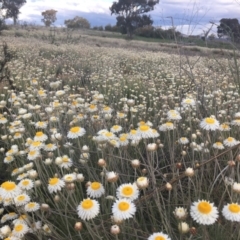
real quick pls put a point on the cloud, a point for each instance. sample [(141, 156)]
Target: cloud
[(191, 16)]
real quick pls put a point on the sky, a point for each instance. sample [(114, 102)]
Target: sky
[(191, 17)]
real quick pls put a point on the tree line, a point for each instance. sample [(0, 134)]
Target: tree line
[(131, 18)]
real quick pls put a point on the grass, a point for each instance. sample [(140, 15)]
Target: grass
[(92, 115)]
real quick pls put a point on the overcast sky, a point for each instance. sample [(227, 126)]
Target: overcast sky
[(190, 17)]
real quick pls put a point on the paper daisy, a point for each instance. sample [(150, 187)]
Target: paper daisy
[(230, 142), (55, 184), (40, 136), (26, 184), (188, 102), (129, 191), (8, 159), (173, 115), (116, 128), (231, 212), (31, 207), (19, 230), (66, 162), (218, 145), (33, 154), (159, 236), (209, 123), (224, 127), (166, 127), (204, 212), (69, 178), (92, 108), (123, 141), (36, 145), (76, 132), (88, 209), (9, 190), (144, 131), (123, 209), (41, 125), (236, 187), (50, 147), (95, 190), (183, 140), (133, 135), (21, 200)]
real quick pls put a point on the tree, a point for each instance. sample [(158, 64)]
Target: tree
[(49, 17), (77, 22), (130, 14), (12, 8), (229, 27)]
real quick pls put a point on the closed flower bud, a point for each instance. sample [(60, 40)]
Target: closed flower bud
[(189, 172), (101, 162), (168, 186), (78, 226), (135, 163), (115, 230), (183, 227)]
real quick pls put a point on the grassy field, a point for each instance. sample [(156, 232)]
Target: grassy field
[(104, 138)]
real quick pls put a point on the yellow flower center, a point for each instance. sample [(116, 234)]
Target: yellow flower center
[(50, 145), (21, 198), (141, 179), (40, 92), (142, 123), (75, 129), (92, 106), (18, 228), (159, 238), (204, 207), (123, 206), (32, 153), (224, 126), (17, 134), (8, 186), (40, 124), (210, 120), (168, 124), (25, 182), (39, 134), (108, 134), (23, 217), (87, 204), (115, 127), (230, 139), (65, 159), (31, 205), (36, 144), (234, 208), (106, 108), (95, 185), (188, 100), (53, 181), (123, 138), (218, 143), (8, 158), (127, 191), (144, 128), (133, 131)]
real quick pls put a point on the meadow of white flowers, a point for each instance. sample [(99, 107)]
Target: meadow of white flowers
[(116, 143)]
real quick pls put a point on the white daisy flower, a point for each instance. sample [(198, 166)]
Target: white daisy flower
[(88, 209), (33, 154), (188, 102), (19, 230), (203, 212), (8, 159), (224, 127), (173, 115), (218, 145), (183, 140), (31, 207), (21, 200), (180, 213), (55, 184), (66, 162), (231, 212), (167, 126), (123, 209), (69, 178), (230, 142), (209, 123), (40, 136), (41, 125), (9, 189), (116, 128), (144, 131), (235, 122), (129, 191), (133, 135), (76, 132), (26, 184), (95, 190), (36, 145), (159, 236), (50, 147)]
